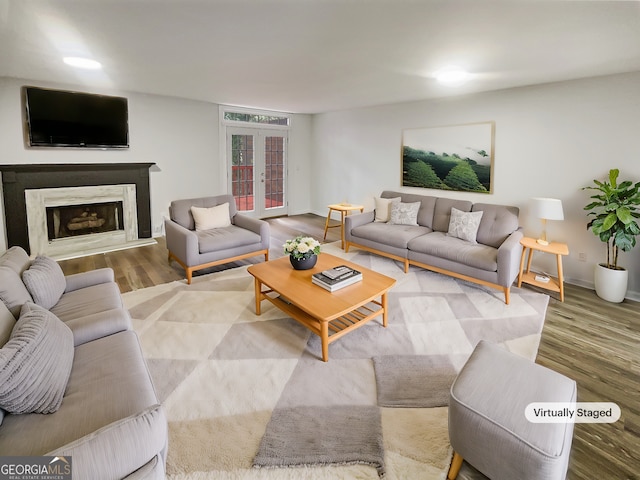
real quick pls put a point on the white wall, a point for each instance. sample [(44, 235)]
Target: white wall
[(550, 141), (180, 136)]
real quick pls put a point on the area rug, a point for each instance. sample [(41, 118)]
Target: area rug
[(413, 381), (232, 383)]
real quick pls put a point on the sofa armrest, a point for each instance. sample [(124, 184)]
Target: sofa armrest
[(98, 325), (181, 242), (255, 225), (88, 279), (357, 220), (509, 254), (133, 441), (249, 223)]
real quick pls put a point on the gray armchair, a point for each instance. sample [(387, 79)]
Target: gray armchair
[(194, 250)]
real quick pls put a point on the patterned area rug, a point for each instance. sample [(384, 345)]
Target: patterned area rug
[(226, 376)]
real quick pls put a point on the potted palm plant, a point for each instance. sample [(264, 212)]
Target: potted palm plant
[(613, 213)]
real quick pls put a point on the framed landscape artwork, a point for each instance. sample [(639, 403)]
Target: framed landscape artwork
[(455, 157)]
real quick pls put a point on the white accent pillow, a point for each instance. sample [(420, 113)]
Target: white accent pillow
[(212, 217), (35, 363), (383, 208), (464, 225), (404, 213)]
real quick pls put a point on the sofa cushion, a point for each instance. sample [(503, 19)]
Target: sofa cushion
[(211, 217), (404, 213), (109, 409), (383, 208), (225, 238), (442, 212), (97, 325), (87, 301), (45, 281), (498, 222), (16, 259), (464, 225), (441, 245), (13, 293), (35, 363), (393, 235)]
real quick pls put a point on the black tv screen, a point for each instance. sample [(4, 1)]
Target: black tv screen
[(58, 118)]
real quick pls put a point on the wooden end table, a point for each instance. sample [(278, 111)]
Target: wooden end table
[(330, 315), (344, 209), (554, 248)]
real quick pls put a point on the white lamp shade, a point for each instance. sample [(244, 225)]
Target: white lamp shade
[(547, 208)]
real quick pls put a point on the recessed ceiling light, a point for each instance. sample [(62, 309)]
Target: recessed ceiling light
[(81, 62), (452, 76)]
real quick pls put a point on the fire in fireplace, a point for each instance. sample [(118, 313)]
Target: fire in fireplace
[(74, 220)]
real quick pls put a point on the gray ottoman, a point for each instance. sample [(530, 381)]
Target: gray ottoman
[(487, 423)]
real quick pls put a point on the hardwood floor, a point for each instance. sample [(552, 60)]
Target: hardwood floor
[(585, 338)]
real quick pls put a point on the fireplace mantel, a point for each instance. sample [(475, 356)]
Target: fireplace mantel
[(18, 178)]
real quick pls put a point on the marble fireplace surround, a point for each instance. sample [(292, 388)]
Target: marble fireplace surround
[(37, 201), (29, 189)]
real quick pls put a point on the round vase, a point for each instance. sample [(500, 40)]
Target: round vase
[(611, 285), (303, 263)]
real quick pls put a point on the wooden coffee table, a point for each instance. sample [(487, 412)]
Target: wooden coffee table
[(330, 315)]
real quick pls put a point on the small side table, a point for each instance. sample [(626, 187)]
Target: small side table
[(344, 209), (555, 248)]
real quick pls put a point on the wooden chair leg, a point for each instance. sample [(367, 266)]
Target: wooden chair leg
[(454, 469), (189, 275), (507, 292)]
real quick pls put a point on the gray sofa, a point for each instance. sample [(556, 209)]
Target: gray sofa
[(107, 417), (237, 237), (493, 260)]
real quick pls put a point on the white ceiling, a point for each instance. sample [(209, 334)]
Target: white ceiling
[(310, 56)]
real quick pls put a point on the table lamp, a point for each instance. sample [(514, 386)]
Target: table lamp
[(546, 209)]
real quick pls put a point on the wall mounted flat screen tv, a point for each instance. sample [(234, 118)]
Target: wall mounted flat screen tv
[(56, 118)]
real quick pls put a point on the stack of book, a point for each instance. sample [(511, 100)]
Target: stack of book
[(336, 278)]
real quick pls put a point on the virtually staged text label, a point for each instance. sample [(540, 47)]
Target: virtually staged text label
[(35, 468), (566, 412)]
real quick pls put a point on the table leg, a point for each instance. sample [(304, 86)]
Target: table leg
[(342, 215), (383, 302), (324, 337), (258, 292), (326, 225), (529, 260), (521, 274), (560, 277)]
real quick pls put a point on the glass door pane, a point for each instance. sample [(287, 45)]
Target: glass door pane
[(274, 171), (242, 171)]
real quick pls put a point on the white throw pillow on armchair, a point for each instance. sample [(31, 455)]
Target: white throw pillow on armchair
[(212, 217)]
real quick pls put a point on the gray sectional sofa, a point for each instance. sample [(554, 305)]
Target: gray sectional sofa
[(73, 380), (491, 258)]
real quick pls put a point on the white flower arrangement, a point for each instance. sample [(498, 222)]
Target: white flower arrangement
[(302, 247)]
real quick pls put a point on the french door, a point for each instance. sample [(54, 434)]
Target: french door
[(257, 162)]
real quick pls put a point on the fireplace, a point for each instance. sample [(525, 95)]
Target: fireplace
[(69, 210), (86, 219)]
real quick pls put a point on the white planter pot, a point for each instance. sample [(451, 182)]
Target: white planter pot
[(611, 285)]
